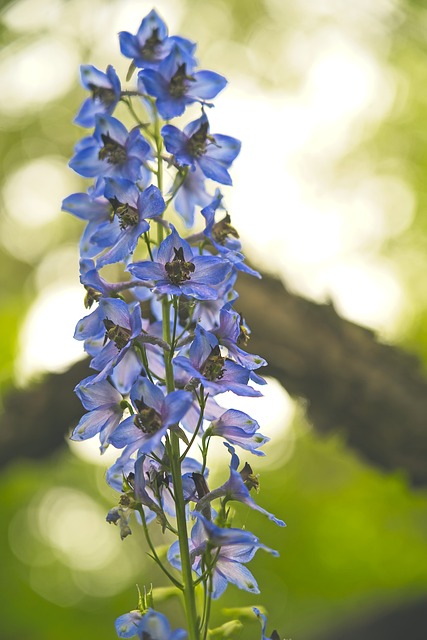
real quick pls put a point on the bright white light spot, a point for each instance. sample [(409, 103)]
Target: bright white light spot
[(34, 192), (46, 340), (74, 525), (32, 15), (366, 293), (273, 411), (88, 450), (129, 14), (59, 589), (36, 74)]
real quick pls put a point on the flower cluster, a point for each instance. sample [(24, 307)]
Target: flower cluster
[(162, 333)]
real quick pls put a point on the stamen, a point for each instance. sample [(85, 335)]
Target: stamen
[(112, 151), (178, 269)]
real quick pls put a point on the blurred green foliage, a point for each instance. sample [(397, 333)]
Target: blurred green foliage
[(356, 538)]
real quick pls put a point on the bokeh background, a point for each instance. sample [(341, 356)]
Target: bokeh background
[(329, 194)]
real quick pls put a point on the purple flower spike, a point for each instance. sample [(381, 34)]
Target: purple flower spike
[(106, 91), (178, 271), (213, 153)]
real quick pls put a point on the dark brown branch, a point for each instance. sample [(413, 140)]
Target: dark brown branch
[(407, 620), (374, 393)]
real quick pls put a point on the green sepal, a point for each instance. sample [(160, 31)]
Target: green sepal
[(145, 599), (181, 434)]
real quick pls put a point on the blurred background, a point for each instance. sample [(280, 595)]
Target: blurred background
[(329, 195)]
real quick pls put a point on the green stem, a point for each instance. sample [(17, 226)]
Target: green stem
[(209, 589), (187, 576), (154, 552), (199, 422), (175, 462), (173, 440), (143, 354)]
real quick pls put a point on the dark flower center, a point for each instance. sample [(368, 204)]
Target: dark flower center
[(92, 295), (243, 337), (127, 215), (119, 335), (147, 419), (179, 82), (249, 478), (150, 46), (178, 270), (197, 144), (222, 229), (103, 94), (213, 367), (112, 151)]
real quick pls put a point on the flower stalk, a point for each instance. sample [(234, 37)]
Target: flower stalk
[(165, 340)]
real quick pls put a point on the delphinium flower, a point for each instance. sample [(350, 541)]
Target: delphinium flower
[(176, 83), (149, 624), (231, 548), (196, 146), (106, 92), (111, 151), (178, 270), (163, 333)]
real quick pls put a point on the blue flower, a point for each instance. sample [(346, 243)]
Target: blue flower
[(151, 44), (216, 372), (155, 413), (153, 480), (178, 271), (263, 620), (224, 237), (233, 548), (131, 208), (106, 92), (230, 334), (119, 323), (175, 84), (150, 625), (214, 154), (95, 210), (192, 192), (111, 151), (103, 403), (239, 429), (235, 489)]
